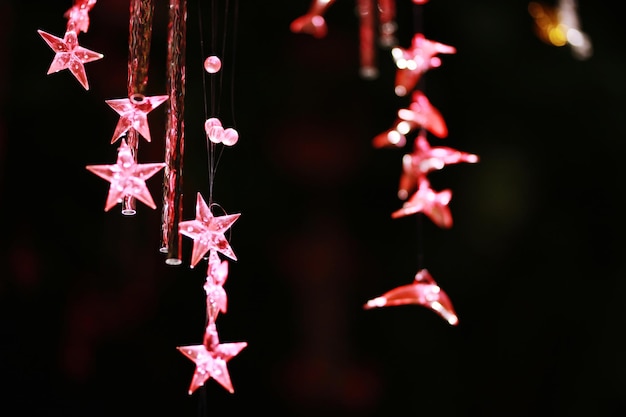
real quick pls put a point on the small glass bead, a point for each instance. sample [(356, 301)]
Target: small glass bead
[(212, 64)]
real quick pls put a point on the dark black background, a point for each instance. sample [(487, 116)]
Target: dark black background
[(90, 314)]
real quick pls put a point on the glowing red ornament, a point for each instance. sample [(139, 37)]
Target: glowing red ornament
[(432, 203), (313, 21), (207, 232), (78, 15), (69, 55), (217, 272), (133, 113), (416, 60), (423, 291), (425, 159), (420, 114), (127, 178)]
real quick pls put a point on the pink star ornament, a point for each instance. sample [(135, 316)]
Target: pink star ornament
[(207, 232), (416, 60), (422, 291), (425, 159), (133, 113), (420, 114), (313, 22), (127, 178), (217, 272), (211, 362), (78, 15), (432, 203), (69, 55)]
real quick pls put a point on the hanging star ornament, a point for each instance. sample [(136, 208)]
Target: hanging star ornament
[(78, 15), (425, 159), (127, 178), (411, 63), (433, 204), (422, 291), (69, 55), (211, 359), (207, 231), (217, 272), (313, 22), (420, 114), (133, 113)]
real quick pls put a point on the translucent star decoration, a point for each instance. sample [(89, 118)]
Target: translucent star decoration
[(432, 203), (425, 159), (216, 299), (133, 113), (411, 63), (207, 232), (78, 15), (313, 22), (127, 178), (69, 55), (422, 291), (420, 114), (211, 359)]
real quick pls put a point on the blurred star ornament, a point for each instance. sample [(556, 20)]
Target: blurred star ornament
[(313, 22), (416, 60), (127, 178), (425, 159), (217, 272), (133, 113), (211, 359), (78, 15), (69, 55), (422, 291), (420, 114), (207, 232), (432, 203)]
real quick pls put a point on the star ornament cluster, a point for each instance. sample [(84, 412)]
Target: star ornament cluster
[(127, 177)]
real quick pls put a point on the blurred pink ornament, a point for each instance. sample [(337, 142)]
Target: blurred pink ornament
[(433, 204), (69, 55), (133, 113), (425, 159), (212, 64), (217, 134), (207, 231), (78, 15), (211, 359), (416, 60), (230, 137), (420, 1), (313, 22), (217, 272), (127, 178), (420, 114), (423, 291)]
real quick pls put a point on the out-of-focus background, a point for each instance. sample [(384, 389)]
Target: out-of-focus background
[(90, 314)]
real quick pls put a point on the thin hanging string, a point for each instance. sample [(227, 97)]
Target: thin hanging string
[(418, 24), (216, 79)]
